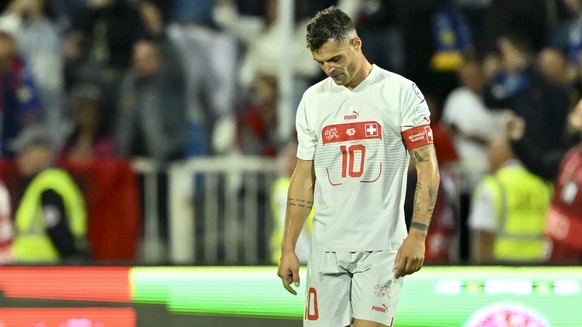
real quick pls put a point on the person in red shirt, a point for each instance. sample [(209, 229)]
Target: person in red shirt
[(564, 168)]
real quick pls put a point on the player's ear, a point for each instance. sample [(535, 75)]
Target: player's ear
[(357, 43)]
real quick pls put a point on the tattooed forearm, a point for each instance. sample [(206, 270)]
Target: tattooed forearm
[(419, 157), (432, 194), (301, 203), (417, 196), (421, 154), (420, 226), (425, 195)]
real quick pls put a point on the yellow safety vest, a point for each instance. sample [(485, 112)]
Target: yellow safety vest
[(281, 186), (521, 202), (31, 242)]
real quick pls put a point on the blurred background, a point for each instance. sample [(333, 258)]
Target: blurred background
[(175, 121)]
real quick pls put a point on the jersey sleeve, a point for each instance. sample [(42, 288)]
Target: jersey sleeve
[(415, 118), (306, 136)]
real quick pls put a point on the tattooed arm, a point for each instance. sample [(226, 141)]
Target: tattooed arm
[(410, 256), (299, 203)]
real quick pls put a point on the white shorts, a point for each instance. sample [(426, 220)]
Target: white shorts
[(342, 286)]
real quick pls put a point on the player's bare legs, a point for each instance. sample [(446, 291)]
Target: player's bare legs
[(367, 323)]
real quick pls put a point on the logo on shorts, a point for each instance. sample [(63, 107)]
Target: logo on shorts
[(381, 290), (382, 309)]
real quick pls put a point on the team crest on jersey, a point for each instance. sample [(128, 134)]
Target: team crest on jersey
[(351, 131), (331, 133), (371, 129), (354, 115)]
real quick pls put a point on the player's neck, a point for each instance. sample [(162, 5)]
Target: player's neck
[(361, 75)]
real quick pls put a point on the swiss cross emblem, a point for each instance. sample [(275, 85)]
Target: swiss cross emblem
[(371, 129), (428, 131)]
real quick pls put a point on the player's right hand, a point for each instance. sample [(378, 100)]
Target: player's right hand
[(289, 271)]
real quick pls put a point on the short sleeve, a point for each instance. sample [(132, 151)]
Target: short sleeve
[(306, 137), (415, 118)]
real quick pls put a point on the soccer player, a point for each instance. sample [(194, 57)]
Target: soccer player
[(357, 130)]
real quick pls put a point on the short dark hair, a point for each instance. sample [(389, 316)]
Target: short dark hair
[(329, 23)]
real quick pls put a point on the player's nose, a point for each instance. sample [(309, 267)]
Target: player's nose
[(328, 68)]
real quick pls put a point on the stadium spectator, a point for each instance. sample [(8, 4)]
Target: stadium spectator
[(211, 89), (40, 41), (564, 168), (378, 23), (88, 139), (257, 124), (567, 36), (554, 65), (530, 17), (151, 109), (51, 217), (99, 45), (470, 123), (436, 35), (508, 212), (520, 87), (265, 44), (19, 96)]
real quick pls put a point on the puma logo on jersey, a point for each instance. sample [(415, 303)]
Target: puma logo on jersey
[(353, 115)]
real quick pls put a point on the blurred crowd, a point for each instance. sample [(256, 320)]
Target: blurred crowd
[(169, 80)]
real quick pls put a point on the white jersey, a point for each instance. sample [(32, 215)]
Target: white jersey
[(358, 142)]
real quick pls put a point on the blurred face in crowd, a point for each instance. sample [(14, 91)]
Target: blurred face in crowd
[(32, 159), (552, 63), (32, 8), (146, 59), (271, 11), (512, 59), (498, 152), (341, 60), (7, 47), (574, 5), (470, 74), (87, 113), (265, 88)]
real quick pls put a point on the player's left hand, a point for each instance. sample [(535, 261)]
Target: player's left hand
[(410, 256)]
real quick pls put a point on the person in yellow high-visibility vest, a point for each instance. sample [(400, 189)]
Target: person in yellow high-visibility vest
[(51, 219), (278, 197), (508, 213)]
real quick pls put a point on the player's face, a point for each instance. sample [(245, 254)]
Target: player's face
[(338, 60)]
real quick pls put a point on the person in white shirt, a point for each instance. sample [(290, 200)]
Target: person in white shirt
[(357, 130), (471, 122)]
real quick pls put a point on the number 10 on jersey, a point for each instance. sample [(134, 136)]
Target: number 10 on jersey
[(353, 157)]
